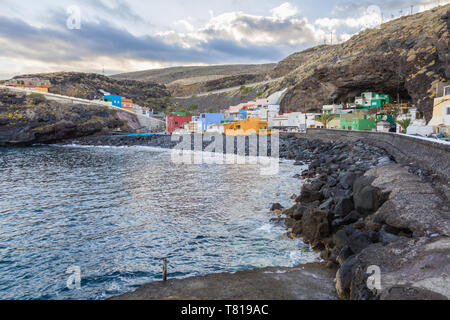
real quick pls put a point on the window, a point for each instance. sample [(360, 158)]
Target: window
[(447, 91), (448, 110)]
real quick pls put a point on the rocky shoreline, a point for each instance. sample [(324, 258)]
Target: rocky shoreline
[(360, 208)]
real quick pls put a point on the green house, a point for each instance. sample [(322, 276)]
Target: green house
[(370, 100), (358, 124)]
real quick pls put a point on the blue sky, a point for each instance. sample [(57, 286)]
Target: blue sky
[(132, 35)]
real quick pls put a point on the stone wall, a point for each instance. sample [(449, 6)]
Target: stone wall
[(405, 149)]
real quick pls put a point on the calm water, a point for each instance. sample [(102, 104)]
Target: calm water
[(116, 212)]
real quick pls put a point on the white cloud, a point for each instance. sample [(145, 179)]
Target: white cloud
[(284, 11), (365, 18), (281, 27), (186, 24)]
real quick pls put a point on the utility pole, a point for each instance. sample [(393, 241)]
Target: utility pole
[(412, 9), (306, 120)]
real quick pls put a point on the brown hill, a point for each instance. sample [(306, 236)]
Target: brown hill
[(185, 81)]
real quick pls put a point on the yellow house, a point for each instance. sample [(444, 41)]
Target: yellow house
[(441, 113), (40, 89), (191, 127), (247, 127)]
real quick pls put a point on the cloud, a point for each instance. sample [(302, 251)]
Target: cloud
[(284, 11), (186, 24), (104, 39), (114, 32), (366, 18), (232, 37)]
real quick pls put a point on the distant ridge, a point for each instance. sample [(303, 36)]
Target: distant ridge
[(195, 73)]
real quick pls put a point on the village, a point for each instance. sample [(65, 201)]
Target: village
[(371, 111)]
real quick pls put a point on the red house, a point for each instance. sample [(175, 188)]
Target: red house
[(175, 122)]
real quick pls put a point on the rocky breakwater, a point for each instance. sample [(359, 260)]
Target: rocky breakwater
[(27, 120), (361, 209)]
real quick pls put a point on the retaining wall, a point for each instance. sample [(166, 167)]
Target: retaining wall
[(426, 154)]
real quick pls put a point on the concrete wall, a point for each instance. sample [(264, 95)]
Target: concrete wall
[(151, 124), (405, 149)]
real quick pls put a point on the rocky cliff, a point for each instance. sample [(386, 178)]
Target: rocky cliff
[(88, 86), (27, 120), (405, 57)]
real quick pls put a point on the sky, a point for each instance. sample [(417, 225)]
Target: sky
[(114, 36)]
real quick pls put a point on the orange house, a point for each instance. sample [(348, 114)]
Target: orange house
[(127, 104), (247, 127)]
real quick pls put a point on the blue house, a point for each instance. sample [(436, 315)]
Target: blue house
[(243, 114), (206, 119), (115, 100)]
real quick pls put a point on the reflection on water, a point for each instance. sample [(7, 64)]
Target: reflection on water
[(116, 212)]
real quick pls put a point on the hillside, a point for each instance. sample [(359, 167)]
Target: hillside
[(194, 73), (27, 120), (88, 86), (185, 81), (405, 57)]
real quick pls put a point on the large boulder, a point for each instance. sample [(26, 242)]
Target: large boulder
[(307, 196), (344, 278), (344, 206), (358, 241), (410, 269), (316, 225), (367, 198)]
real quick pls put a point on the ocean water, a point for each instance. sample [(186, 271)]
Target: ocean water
[(115, 213)]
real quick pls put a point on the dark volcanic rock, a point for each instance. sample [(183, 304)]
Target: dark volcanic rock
[(308, 196), (367, 198), (344, 278), (316, 225), (358, 241), (276, 207), (344, 206)]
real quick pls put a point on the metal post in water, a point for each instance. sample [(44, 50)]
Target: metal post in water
[(164, 269)]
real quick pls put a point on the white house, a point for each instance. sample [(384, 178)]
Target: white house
[(216, 128), (295, 120), (418, 124), (441, 113), (333, 109)]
